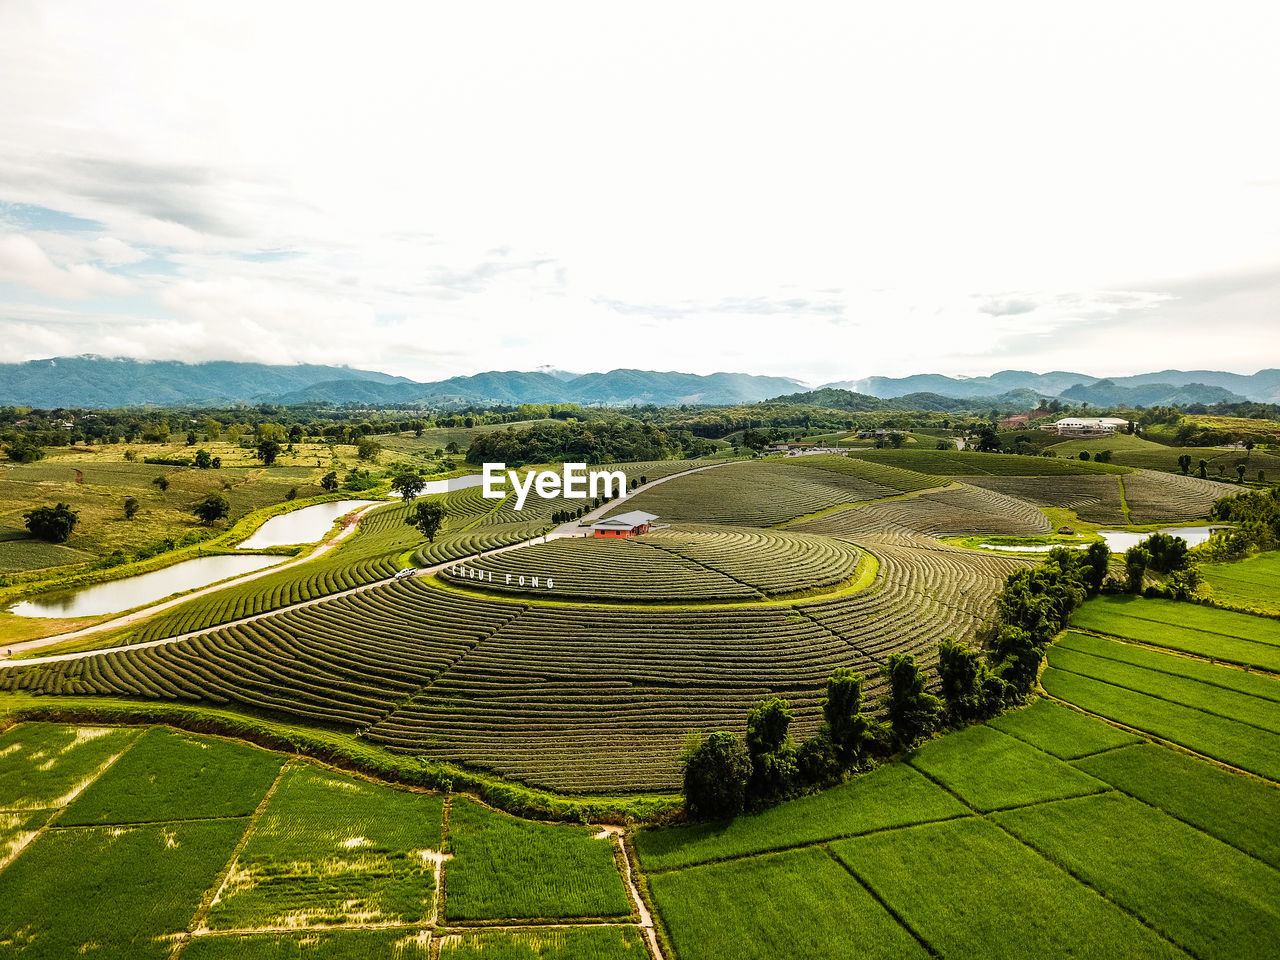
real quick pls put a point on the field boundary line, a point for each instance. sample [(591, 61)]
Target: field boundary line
[(1184, 654), (58, 811), (197, 923), (647, 929), (788, 848), (1176, 703), (1159, 740), (1059, 866), (884, 904)]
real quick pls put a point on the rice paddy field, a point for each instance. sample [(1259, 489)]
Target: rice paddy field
[(1252, 584), (1084, 825), (151, 842)]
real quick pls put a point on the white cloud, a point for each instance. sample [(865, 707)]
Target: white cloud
[(840, 192)]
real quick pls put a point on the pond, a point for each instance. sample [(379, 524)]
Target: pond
[(1121, 540), (1118, 541), (133, 592), (301, 526)]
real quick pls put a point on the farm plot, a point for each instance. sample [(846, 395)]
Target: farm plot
[(1252, 584), (582, 699), (398, 944), (801, 904), (1094, 497), (969, 889), (959, 511), (582, 943), (573, 698), (503, 867), (1187, 712), (329, 848), (1241, 811), (688, 563), (68, 760), (1160, 497), (124, 891), (1227, 906), (1061, 731), (173, 776), (1236, 694), (754, 494), (1203, 631), (895, 795), (990, 770), (344, 661), (896, 478), (956, 463)]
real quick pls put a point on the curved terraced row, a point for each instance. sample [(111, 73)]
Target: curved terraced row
[(689, 563), (572, 698), (1094, 497), (954, 512), (754, 494), (1159, 497)]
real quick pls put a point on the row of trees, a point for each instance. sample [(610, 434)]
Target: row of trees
[(725, 774)]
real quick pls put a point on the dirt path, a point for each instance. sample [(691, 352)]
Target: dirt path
[(574, 529), (646, 919)]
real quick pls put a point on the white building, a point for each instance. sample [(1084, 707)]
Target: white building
[(1086, 426)]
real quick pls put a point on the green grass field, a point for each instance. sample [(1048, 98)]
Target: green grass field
[(1202, 631), (1252, 584), (990, 770), (504, 867), (325, 857), (1237, 810), (110, 891), (1061, 731), (174, 776), (397, 944), (68, 760), (797, 904), (892, 796), (328, 848), (957, 463), (583, 943), (968, 888), (1200, 893)]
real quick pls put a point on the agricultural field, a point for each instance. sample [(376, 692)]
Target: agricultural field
[(1252, 584), (958, 463), (677, 564), (1094, 498), (1046, 833), (1145, 454), (295, 860), (575, 697)]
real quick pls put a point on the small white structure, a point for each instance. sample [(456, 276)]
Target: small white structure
[(624, 525), (1086, 426)]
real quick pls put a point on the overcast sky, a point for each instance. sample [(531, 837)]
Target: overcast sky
[(824, 191)]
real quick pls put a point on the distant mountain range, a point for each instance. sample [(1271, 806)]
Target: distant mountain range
[(1165, 387), (108, 382), (91, 381)]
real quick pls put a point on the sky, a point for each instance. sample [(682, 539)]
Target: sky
[(824, 191)]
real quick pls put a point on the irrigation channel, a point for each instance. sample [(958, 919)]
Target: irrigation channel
[(574, 528)]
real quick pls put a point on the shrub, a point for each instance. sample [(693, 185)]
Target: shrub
[(715, 777)]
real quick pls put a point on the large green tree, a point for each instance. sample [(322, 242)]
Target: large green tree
[(408, 485), (427, 516), (51, 523), (715, 777), (913, 710), (212, 508)]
